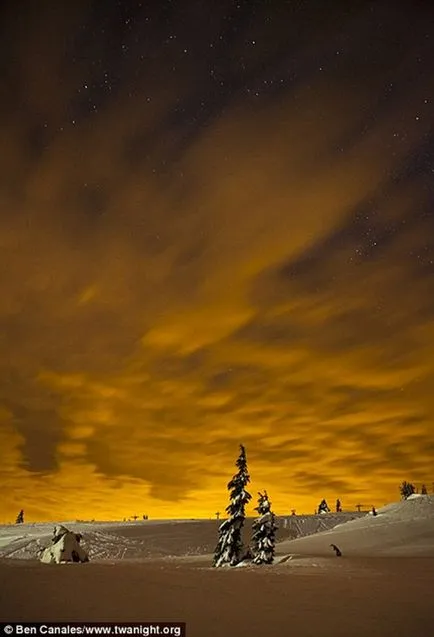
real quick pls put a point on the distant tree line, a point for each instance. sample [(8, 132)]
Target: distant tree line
[(407, 489)]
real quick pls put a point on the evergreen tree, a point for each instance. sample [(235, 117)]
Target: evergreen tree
[(323, 507), (407, 489), (264, 532), (423, 490), (20, 517), (230, 546)]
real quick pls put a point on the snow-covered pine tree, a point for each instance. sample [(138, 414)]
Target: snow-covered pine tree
[(230, 546), (20, 517), (264, 532), (407, 489)]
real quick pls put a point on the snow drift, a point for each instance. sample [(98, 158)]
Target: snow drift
[(404, 528)]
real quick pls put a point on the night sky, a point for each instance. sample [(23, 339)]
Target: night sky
[(216, 226)]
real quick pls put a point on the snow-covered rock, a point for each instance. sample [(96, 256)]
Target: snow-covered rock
[(65, 547)]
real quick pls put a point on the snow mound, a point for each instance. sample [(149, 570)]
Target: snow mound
[(415, 506)]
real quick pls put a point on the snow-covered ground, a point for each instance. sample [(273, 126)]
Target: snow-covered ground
[(103, 540), (404, 528), (301, 525)]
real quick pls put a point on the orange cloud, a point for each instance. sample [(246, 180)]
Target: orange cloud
[(266, 280)]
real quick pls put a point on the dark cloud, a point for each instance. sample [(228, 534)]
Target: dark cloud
[(34, 415)]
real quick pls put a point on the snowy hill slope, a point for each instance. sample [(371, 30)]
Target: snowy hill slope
[(302, 525), (122, 540), (103, 540), (404, 528)]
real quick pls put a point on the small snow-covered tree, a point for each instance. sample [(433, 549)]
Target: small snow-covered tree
[(323, 507), (20, 517), (230, 546), (407, 489), (423, 490), (264, 532)]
